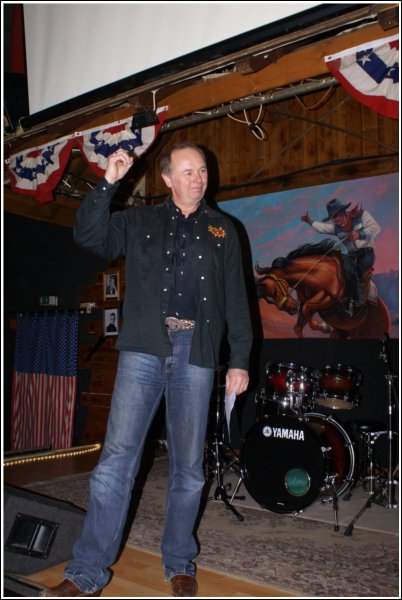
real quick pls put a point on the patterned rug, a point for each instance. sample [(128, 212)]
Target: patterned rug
[(300, 555)]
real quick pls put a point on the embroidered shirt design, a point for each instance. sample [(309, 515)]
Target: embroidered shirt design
[(218, 232)]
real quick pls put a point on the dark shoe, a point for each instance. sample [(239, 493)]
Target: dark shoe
[(67, 589), (184, 585)]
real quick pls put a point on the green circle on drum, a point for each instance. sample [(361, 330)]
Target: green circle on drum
[(297, 482)]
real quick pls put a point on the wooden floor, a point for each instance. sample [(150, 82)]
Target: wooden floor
[(138, 573)]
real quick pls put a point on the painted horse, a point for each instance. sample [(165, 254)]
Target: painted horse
[(311, 279)]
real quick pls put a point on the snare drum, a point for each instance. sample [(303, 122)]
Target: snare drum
[(338, 387), (289, 387)]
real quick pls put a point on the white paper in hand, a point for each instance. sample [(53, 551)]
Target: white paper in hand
[(229, 403)]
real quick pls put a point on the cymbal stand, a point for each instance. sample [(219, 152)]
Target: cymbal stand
[(370, 479), (389, 502), (371, 483), (367, 504), (223, 458), (376, 488)]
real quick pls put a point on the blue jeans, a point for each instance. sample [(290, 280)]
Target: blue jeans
[(141, 381)]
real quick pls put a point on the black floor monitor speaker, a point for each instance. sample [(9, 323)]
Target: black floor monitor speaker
[(16, 586), (38, 531)]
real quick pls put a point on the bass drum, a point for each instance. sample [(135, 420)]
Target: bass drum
[(286, 462), (339, 454), (282, 464)]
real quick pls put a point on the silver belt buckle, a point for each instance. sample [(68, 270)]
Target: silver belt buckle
[(178, 324), (172, 323)]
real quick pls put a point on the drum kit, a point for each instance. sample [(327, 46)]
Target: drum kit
[(293, 454)]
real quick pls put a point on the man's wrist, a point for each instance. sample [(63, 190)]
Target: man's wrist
[(109, 181), (108, 184)]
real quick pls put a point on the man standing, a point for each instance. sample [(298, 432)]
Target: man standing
[(356, 230), (184, 288)]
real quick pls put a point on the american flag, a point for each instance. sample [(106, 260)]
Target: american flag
[(44, 381), (370, 73)]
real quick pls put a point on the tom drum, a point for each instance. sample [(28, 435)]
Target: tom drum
[(338, 387), (288, 387)]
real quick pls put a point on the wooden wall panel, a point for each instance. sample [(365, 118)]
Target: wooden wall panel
[(354, 143), (299, 139), (99, 358)]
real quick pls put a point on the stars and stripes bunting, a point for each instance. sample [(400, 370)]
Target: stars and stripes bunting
[(37, 171), (370, 73), (98, 143)]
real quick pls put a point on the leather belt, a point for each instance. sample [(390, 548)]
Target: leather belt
[(174, 324)]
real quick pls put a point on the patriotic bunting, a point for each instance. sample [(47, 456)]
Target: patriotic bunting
[(37, 171), (98, 143), (370, 73)]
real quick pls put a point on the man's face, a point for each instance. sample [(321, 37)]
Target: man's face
[(340, 218), (188, 178)]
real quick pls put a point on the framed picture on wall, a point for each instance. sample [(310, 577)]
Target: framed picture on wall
[(111, 286), (110, 321)]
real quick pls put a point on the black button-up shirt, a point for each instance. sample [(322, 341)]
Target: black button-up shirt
[(184, 293), (145, 235)]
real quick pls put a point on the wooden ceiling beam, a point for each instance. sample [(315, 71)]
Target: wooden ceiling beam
[(307, 62), (302, 64), (61, 211)]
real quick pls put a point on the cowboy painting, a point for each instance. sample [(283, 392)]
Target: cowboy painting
[(356, 230)]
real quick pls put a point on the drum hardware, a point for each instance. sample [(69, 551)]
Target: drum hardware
[(259, 400), (392, 392), (388, 500), (380, 492), (220, 458), (331, 478), (349, 529), (370, 479), (375, 497)]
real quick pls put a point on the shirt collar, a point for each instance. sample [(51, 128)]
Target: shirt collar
[(172, 207)]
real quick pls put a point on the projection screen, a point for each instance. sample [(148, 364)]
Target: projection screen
[(75, 48)]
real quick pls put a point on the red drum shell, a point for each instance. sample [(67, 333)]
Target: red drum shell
[(338, 387), (290, 385)]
